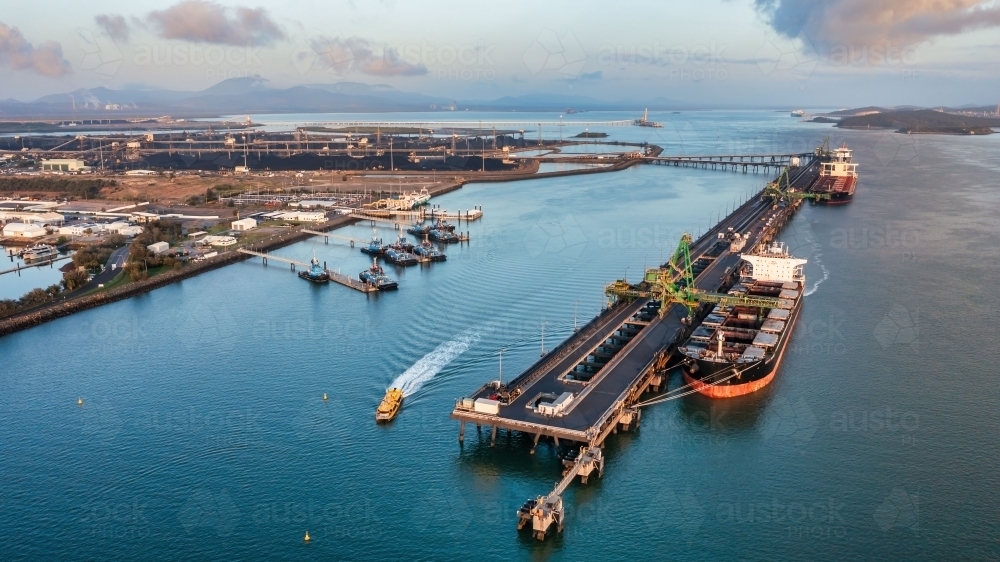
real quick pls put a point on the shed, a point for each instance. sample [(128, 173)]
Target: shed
[(159, 247), (244, 224), (23, 230)]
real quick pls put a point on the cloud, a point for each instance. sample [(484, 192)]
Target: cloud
[(115, 26), (355, 53), (17, 53), (830, 23), (207, 22)]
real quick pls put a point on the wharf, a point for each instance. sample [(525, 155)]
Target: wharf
[(561, 398), (335, 276), (41, 263)]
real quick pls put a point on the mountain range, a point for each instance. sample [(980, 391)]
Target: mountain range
[(253, 95)]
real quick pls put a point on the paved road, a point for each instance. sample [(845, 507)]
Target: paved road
[(111, 270)]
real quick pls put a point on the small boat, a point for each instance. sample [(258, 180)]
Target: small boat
[(421, 198), (374, 247), (376, 276), (315, 273), (40, 252), (418, 229), (444, 236), (390, 405), (444, 225), (429, 251), (396, 256), (403, 244)]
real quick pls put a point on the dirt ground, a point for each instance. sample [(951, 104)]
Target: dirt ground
[(180, 188)]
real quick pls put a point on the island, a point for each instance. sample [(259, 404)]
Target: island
[(922, 121)]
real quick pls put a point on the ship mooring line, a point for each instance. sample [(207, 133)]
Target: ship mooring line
[(661, 399)]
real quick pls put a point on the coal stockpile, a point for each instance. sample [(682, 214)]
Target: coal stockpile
[(221, 161)]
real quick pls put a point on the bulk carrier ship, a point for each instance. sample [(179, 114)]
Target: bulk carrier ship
[(837, 179), (737, 348)]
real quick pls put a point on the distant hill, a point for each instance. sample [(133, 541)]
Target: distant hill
[(236, 95), (922, 121)]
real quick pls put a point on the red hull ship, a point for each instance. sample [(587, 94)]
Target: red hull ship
[(838, 178)]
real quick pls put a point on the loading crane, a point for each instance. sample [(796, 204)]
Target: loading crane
[(674, 283), (778, 191)]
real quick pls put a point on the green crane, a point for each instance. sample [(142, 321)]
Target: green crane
[(674, 283), (778, 191)]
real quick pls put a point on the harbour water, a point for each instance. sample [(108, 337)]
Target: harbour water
[(203, 434)]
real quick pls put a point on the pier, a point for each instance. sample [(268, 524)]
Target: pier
[(588, 387), (335, 276), (745, 163), (41, 263)]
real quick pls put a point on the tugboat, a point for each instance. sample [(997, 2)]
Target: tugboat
[(444, 236), (402, 243), (443, 225), (376, 276), (399, 256), (315, 273), (390, 405), (418, 229), (39, 252), (374, 247), (429, 251)]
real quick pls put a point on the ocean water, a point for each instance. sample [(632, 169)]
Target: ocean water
[(203, 434)]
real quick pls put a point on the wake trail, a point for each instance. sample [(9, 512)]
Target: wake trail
[(431, 364), (817, 254)]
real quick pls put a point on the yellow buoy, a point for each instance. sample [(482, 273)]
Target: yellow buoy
[(79, 401), (307, 537), (324, 397)]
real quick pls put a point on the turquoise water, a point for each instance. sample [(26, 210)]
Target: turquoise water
[(15, 284), (203, 434)]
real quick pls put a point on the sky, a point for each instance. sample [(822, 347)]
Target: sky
[(732, 53)]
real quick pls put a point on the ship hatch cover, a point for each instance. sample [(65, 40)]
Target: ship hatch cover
[(787, 294), (777, 314), (785, 303), (764, 339), (773, 326), (714, 320), (752, 354)]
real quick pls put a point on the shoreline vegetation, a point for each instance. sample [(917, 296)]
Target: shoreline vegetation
[(919, 121)]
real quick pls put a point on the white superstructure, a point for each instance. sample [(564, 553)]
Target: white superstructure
[(841, 164), (775, 264)]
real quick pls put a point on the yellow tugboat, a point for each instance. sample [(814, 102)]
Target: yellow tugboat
[(390, 405)]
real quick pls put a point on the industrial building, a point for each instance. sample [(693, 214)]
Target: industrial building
[(158, 247), (81, 229), (23, 230), (41, 218), (64, 165), (124, 228), (244, 224)]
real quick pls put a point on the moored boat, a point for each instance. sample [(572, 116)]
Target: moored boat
[(838, 178), (429, 252), (374, 247), (376, 277), (316, 273), (737, 349), (39, 252)]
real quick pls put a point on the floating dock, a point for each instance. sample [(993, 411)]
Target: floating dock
[(335, 276), (586, 388)]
